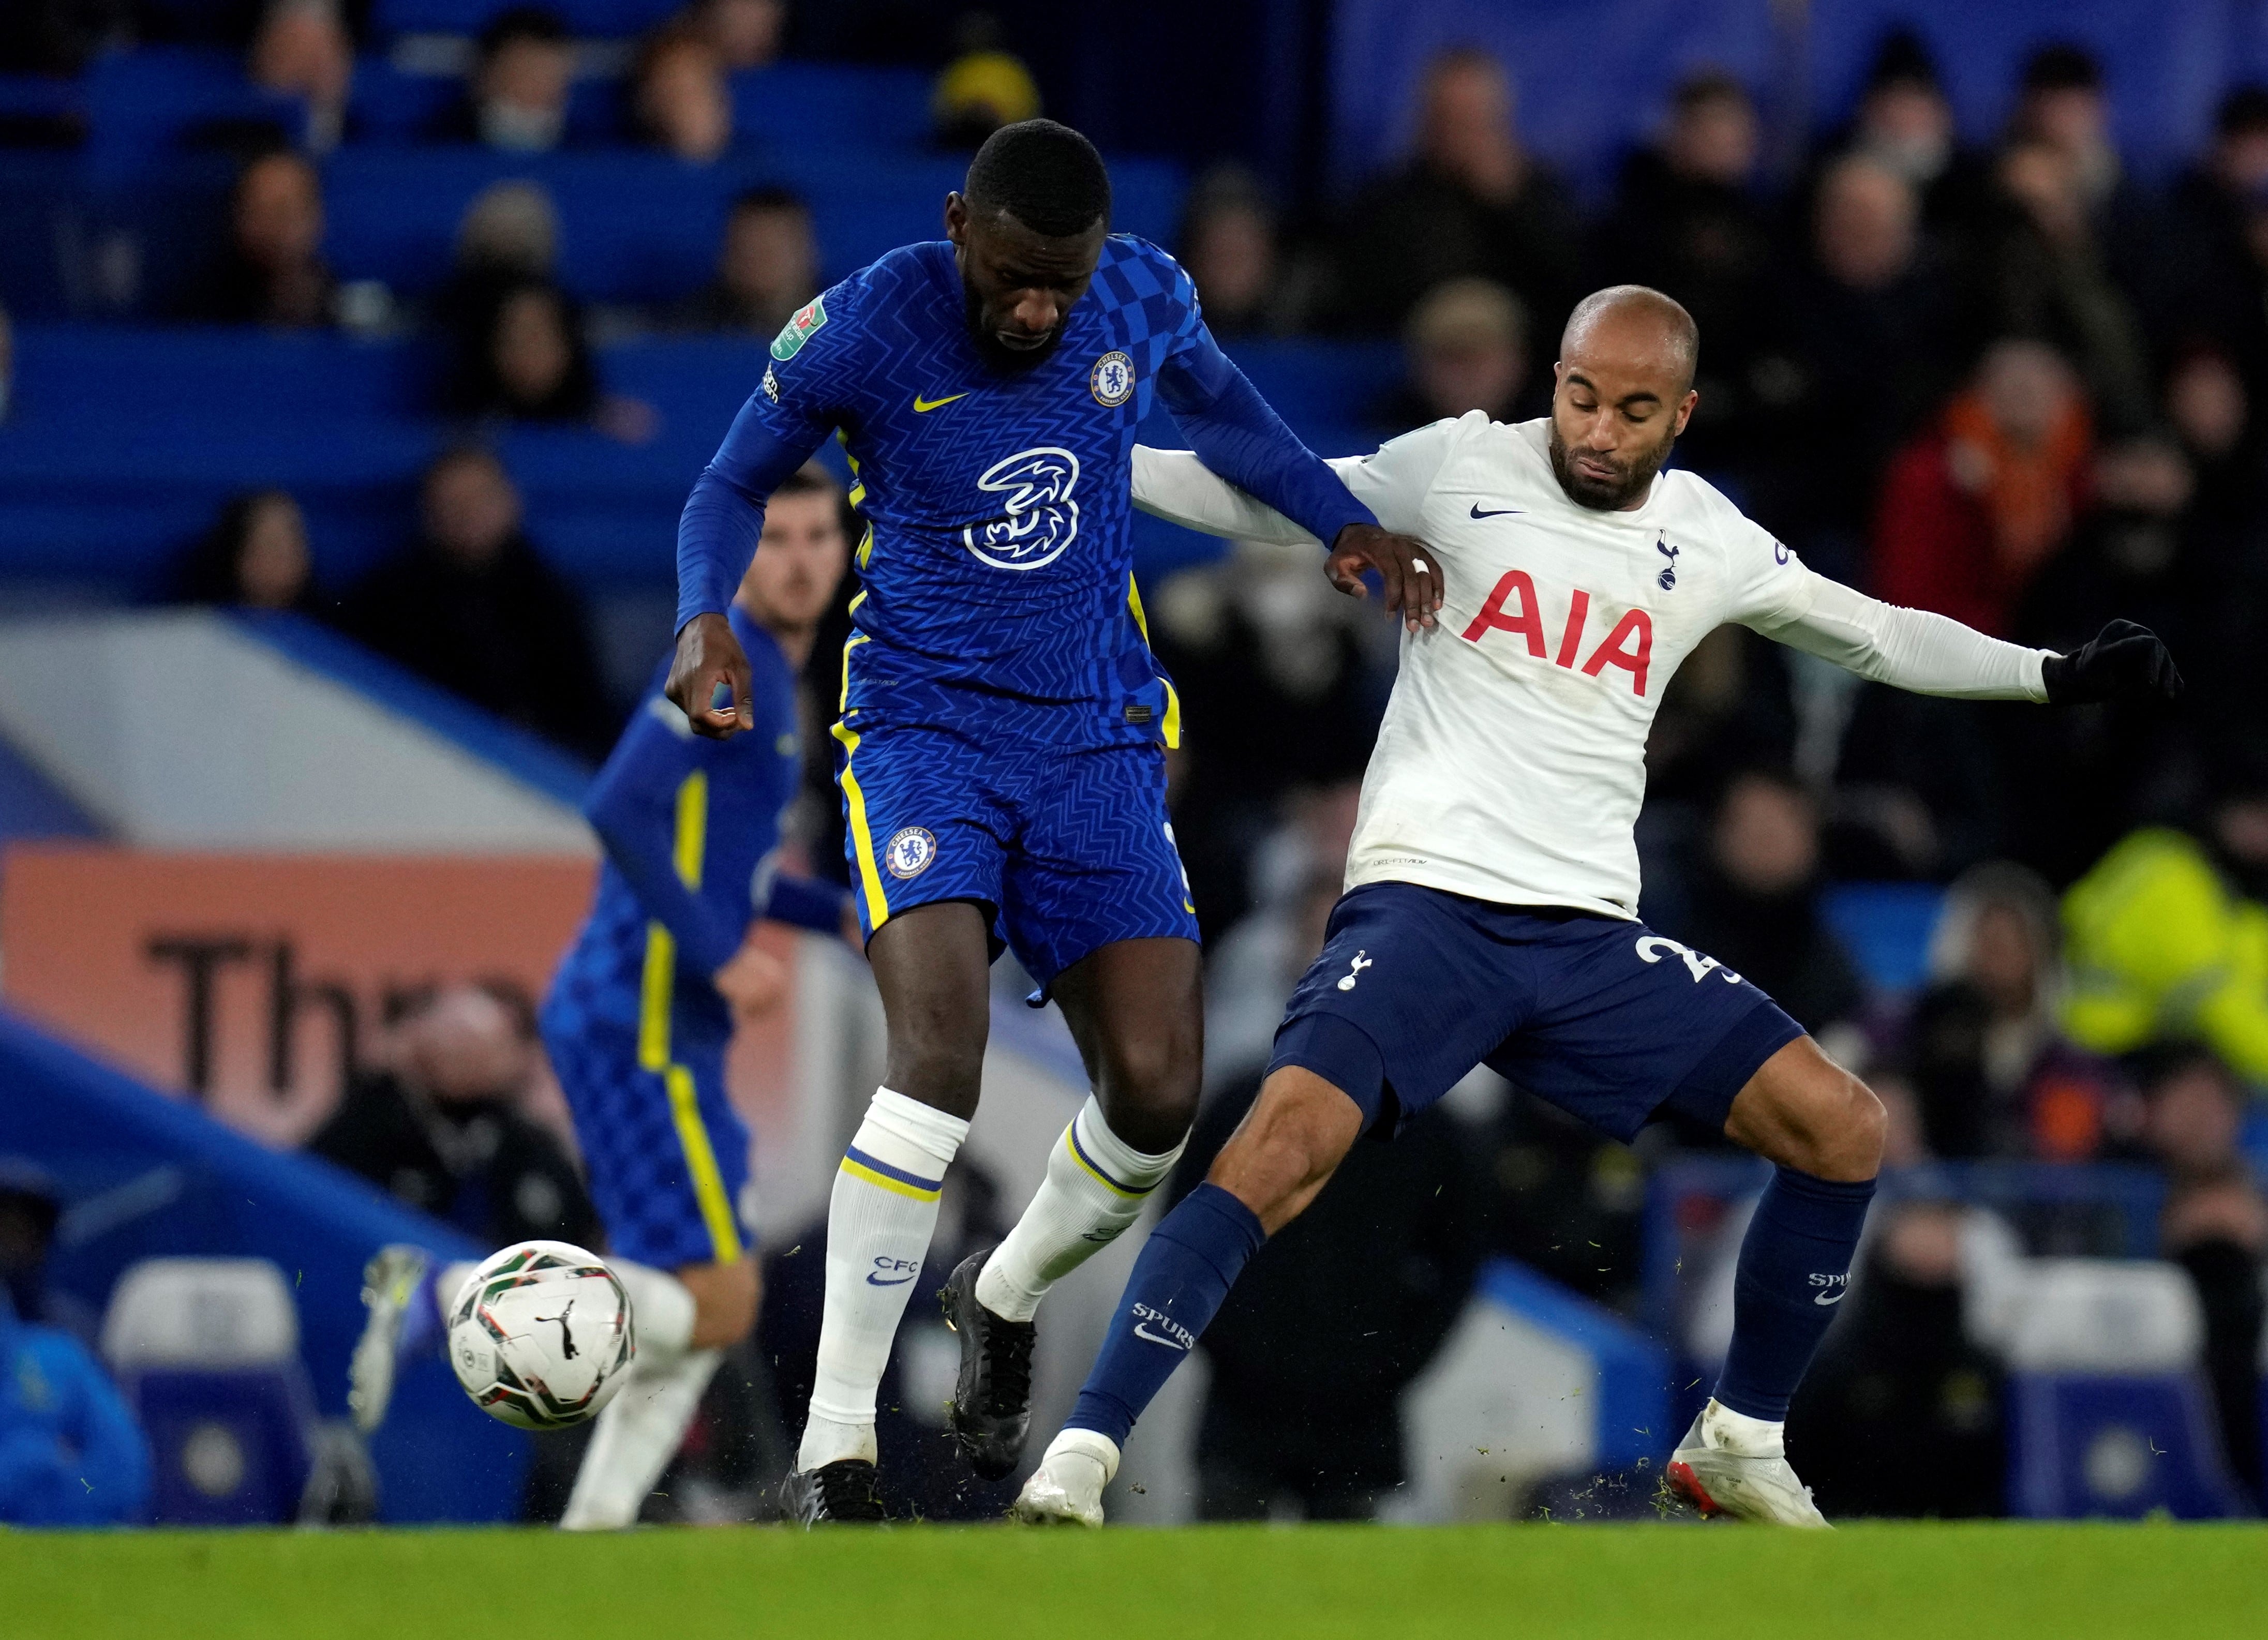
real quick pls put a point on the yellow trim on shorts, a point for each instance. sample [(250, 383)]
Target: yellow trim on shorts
[(655, 985), (897, 1187), (701, 1165), (1170, 729), (870, 880)]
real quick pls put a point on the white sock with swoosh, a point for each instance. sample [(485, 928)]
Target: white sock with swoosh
[(879, 1223), (1097, 1185)]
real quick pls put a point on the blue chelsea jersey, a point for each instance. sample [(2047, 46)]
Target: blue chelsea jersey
[(691, 832), (996, 563)]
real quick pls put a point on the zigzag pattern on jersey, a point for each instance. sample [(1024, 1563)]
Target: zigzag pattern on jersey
[(983, 466)]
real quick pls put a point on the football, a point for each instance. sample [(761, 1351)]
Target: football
[(540, 1334)]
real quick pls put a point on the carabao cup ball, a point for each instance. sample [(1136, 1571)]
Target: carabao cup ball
[(541, 1335)]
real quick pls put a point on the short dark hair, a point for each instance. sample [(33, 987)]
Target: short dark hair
[(1698, 90), (2062, 67), (808, 479), (1903, 59), (2242, 112), (1045, 175), (521, 22), (770, 196)]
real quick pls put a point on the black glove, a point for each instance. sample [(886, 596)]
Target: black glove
[(2125, 662)]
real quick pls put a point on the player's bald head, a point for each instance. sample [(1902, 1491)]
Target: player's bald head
[(1636, 330)]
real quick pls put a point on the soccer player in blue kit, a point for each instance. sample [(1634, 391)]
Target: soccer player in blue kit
[(1002, 730), (642, 1011)]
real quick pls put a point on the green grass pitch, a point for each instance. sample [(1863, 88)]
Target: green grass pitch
[(1915, 1582)]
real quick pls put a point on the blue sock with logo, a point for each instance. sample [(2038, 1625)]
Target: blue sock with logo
[(1794, 1269), (1185, 1271)]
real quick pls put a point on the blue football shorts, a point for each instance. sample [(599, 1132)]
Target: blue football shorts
[(1600, 1016), (1066, 849), (665, 1154)]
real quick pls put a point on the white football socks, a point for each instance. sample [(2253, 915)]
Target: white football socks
[(637, 1434), (662, 1309), (1741, 1435), (448, 1283), (1097, 1185), (879, 1223)]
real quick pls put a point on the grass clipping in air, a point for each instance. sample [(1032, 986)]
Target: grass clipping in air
[(1537, 1582)]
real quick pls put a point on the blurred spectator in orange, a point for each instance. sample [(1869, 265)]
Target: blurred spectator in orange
[(767, 268), (1900, 1414), (303, 51), (1467, 344), (527, 358), (517, 98), (2215, 1226), (2049, 279), (440, 1124), (470, 606), (1992, 1073), (1231, 242), (1862, 331), (254, 557), (1905, 125), (1973, 508), (679, 97), (746, 32), (1754, 902), (1470, 201), (272, 271), (1687, 222)]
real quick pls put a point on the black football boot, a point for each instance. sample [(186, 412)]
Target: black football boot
[(841, 1493), (992, 1411)]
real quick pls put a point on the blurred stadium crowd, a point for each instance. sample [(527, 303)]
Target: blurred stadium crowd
[(2018, 384)]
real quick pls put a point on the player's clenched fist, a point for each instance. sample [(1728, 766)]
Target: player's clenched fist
[(708, 678), (1405, 563)]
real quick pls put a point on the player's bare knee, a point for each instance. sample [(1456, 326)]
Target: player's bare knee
[(943, 1069), (1842, 1134), (1150, 1092)]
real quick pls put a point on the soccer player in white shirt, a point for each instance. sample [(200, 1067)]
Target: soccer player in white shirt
[(1490, 912)]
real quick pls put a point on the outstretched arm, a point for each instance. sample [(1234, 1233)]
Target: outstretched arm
[(1929, 654), (1236, 434)]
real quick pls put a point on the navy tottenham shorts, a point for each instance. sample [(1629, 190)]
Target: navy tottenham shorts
[(1603, 1017)]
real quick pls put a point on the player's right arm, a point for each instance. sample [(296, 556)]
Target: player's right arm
[(1392, 482), (804, 396), (632, 805)]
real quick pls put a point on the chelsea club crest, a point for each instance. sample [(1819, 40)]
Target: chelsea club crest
[(1112, 380), (909, 852)]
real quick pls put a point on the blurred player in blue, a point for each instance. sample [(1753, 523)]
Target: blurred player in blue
[(643, 1010), (1003, 727)]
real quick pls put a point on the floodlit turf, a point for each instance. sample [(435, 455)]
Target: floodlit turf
[(1538, 1582)]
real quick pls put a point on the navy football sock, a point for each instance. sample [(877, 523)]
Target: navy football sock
[(1179, 1281), (1794, 1269)]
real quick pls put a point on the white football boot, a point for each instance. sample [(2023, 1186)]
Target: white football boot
[(1708, 1474), (395, 1288), (1067, 1490)]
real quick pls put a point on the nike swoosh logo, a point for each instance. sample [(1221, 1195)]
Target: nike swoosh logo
[(876, 1280), (923, 406), (1498, 513), (1824, 1299), (1142, 1330)]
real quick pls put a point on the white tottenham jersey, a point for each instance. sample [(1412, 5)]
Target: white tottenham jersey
[(1511, 761)]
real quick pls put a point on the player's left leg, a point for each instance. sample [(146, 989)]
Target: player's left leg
[(1096, 905), (1136, 1009), (1823, 1128)]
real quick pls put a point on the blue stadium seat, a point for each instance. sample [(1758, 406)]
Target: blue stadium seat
[(831, 104), (638, 226), (592, 19), (230, 1449), (2088, 1445), (140, 103)]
